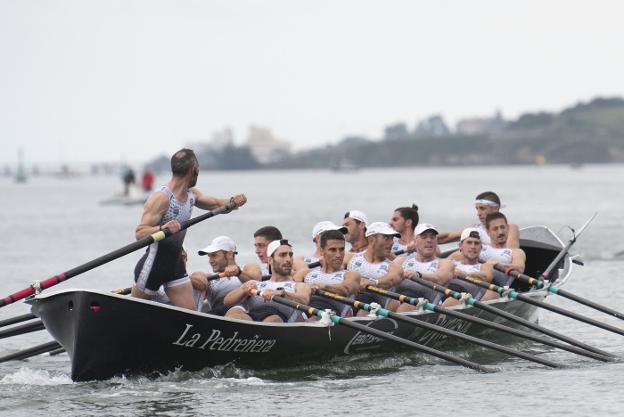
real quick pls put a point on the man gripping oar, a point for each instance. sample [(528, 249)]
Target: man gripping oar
[(167, 208)]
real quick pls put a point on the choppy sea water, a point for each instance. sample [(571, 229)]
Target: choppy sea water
[(52, 225)]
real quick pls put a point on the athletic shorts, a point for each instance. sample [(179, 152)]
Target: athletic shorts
[(416, 290), (161, 265)]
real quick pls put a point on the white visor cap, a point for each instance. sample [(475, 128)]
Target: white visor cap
[(223, 243), (380, 228), (321, 227)]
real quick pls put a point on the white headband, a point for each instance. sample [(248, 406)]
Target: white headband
[(487, 203)]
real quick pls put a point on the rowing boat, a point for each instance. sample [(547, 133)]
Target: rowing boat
[(107, 334)]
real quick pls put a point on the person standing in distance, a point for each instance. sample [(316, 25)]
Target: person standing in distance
[(167, 208)]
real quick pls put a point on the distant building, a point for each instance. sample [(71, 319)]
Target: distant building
[(264, 146), (395, 131), (433, 126), (481, 126)]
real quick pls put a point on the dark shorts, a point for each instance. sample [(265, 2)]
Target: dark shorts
[(323, 303), (416, 290), (460, 285), (261, 312), (161, 265), (501, 279)]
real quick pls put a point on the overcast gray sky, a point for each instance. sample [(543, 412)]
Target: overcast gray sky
[(105, 80)]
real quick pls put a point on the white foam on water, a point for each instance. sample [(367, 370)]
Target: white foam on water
[(27, 376)]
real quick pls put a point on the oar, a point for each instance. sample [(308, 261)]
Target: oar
[(311, 311), (17, 319), (399, 317), (546, 275), (21, 329), (146, 241), (514, 295), (489, 324), (33, 351), (496, 311), (553, 289)]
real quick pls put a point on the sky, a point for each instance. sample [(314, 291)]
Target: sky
[(91, 80)]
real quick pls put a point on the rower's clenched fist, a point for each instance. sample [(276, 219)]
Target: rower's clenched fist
[(239, 200)]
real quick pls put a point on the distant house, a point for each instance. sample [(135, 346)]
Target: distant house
[(395, 131), (264, 146), (432, 126), (480, 125)]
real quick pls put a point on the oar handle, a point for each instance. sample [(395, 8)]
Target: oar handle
[(146, 241), (539, 283)]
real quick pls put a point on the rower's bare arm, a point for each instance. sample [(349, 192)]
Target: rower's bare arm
[(155, 208), (518, 260), (399, 260), (455, 256), (513, 237), (301, 294), (351, 282), (301, 273), (300, 265), (392, 278), (239, 295), (250, 272), (346, 260), (447, 237), (207, 202), (443, 275)]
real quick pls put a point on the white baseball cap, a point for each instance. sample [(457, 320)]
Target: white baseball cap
[(380, 228), (276, 244), (223, 243), (470, 232), (423, 227), (357, 215), (324, 226)]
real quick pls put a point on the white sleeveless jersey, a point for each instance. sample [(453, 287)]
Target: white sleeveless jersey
[(469, 269), (367, 269), (219, 288), (264, 268), (320, 277), (504, 255), (397, 245), (485, 238), (412, 264)]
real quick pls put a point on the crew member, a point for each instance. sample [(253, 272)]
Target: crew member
[(467, 262), (355, 222), (262, 238), (331, 276), (222, 257), (302, 262), (166, 209), (509, 258), (404, 220), (244, 305), (374, 265)]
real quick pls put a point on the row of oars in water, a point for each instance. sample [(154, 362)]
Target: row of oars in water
[(570, 345)]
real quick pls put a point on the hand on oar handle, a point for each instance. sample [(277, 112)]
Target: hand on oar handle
[(172, 225), (239, 200)]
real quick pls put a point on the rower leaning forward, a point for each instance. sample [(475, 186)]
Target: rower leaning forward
[(167, 208)]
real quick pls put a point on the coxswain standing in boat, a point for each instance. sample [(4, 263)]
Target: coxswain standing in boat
[(302, 262), (486, 202), (222, 257), (467, 262), (404, 220), (509, 258), (244, 305), (423, 263), (355, 222), (331, 276), (166, 209), (374, 264), (262, 238)]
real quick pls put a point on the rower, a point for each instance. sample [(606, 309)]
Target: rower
[(262, 238), (244, 305), (222, 257), (509, 258), (486, 202), (424, 263), (167, 208), (374, 264), (355, 222), (404, 220), (302, 262), (331, 276), (468, 262)]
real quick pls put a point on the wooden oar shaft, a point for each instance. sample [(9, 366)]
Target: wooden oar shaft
[(21, 329), (491, 324), (33, 351), (311, 311), (539, 283), (146, 241), (17, 319), (511, 317), (555, 309), (429, 326)]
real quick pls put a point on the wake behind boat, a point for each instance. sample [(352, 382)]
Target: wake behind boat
[(107, 334)]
